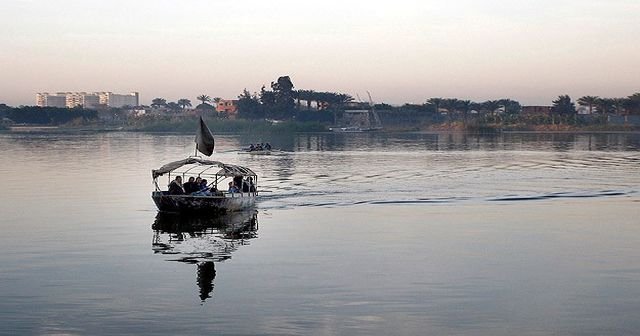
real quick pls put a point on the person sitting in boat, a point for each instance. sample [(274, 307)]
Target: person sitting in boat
[(245, 186), (252, 187), (252, 148), (267, 146), (190, 186), (259, 147), (237, 181), (233, 188), (203, 190), (175, 187)]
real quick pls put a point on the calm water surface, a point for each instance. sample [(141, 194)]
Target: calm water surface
[(356, 234)]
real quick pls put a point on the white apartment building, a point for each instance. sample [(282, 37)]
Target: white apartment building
[(119, 100), (87, 99), (53, 100)]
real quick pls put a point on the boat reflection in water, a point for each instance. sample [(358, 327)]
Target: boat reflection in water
[(203, 240)]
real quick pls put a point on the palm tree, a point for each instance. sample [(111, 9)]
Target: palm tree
[(491, 106), (450, 104), (343, 98), (173, 106), (618, 105), (589, 101), (604, 105), (464, 106), (157, 102), (632, 103), (436, 103), (184, 102), (204, 98), (563, 106)]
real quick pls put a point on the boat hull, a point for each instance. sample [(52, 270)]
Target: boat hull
[(198, 204), (256, 152)]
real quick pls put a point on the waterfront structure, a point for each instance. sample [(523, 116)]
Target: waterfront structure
[(87, 99), (228, 106)]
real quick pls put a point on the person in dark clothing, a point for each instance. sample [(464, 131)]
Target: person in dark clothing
[(252, 187), (237, 181), (245, 186), (190, 186), (175, 187)]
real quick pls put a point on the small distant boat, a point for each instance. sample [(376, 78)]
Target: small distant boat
[(350, 129), (217, 200), (256, 152)]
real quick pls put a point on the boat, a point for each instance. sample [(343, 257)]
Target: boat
[(218, 199), (256, 152), (350, 129), (365, 119)]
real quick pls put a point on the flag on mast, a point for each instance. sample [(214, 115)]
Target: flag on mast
[(204, 139)]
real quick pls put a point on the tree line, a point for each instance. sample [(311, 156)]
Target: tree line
[(48, 115)]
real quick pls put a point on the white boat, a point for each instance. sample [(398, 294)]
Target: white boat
[(220, 174), (216, 198)]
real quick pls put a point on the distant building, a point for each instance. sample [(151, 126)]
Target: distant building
[(228, 106), (119, 100), (536, 110), (86, 99), (54, 100)]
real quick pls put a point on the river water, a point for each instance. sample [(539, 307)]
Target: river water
[(355, 234)]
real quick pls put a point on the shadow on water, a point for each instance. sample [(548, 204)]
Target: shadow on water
[(203, 241)]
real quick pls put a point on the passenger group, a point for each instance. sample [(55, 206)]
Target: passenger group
[(199, 187), (259, 147)]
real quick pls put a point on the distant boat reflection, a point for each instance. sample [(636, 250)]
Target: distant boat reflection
[(203, 240)]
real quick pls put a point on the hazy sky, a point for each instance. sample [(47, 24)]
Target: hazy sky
[(401, 51)]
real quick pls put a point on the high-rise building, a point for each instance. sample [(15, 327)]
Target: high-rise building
[(119, 100), (87, 100), (46, 99)]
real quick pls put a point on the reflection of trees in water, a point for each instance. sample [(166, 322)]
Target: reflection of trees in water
[(203, 240)]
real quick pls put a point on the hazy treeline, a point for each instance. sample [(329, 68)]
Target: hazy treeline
[(47, 115)]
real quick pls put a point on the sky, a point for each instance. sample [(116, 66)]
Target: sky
[(401, 51)]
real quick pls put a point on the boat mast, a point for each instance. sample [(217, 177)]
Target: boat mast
[(378, 123)]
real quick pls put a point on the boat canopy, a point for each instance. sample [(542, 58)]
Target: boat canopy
[(226, 170)]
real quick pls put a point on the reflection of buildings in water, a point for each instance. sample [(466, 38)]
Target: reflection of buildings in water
[(203, 240)]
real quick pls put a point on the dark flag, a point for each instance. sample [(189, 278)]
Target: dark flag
[(204, 139)]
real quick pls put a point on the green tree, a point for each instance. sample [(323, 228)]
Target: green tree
[(173, 106), (451, 104), (618, 105), (158, 102), (436, 103), (204, 99), (564, 107), (465, 107), (511, 107), (184, 103), (249, 106), (605, 105), (589, 101), (491, 106), (632, 103)]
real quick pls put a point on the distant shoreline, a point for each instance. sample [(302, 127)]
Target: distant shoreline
[(431, 129)]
